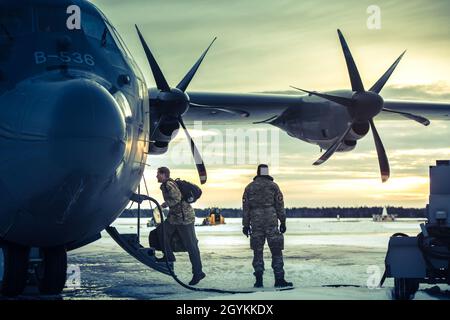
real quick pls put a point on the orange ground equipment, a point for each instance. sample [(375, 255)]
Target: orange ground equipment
[(214, 218)]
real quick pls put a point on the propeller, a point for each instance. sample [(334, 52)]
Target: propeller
[(363, 106), (173, 103)]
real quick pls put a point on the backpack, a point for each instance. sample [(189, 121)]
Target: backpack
[(189, 191), (176, 242)]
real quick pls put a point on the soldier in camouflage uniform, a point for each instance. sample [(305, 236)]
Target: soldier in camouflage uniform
[(181, 219), (263, 206)]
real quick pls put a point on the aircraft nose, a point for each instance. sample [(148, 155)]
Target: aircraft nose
[(87, 129), (59, 141)]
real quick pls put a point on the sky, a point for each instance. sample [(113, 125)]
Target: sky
[(266, 46)]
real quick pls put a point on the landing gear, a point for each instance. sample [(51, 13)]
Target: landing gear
[(404, 288), (15, 269), (51, 274)]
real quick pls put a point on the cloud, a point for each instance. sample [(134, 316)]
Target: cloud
[(436, 91), (267, 45)]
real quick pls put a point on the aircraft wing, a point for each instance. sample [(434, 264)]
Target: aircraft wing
[(253, 107), (244, 107), (427, 109)]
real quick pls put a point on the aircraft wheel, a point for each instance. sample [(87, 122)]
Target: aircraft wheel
[(52, 273), (15, 269), (404, 288)]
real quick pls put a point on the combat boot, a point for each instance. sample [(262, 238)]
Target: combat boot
[(196, 278), (281, 283), (259, 280)]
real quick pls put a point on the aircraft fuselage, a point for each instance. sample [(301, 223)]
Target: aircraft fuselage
[(73, 124)]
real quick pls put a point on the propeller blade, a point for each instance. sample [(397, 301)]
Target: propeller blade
[(197, 157), (378, 86), (161, 82), (333, 148), (419, 119), (188, 77), (346, 102), (355, 78), (241, 113), (382, 157)]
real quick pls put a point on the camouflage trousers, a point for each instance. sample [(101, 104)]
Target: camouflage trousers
[(275, 240)]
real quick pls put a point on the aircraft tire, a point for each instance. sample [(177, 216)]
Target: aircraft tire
[(52, 274), (15, 269)]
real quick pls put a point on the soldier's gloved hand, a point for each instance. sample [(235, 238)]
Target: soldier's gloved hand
[(283, 227), (246, 231)]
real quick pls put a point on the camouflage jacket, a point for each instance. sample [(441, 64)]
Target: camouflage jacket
[(262, 204), (180, 212)]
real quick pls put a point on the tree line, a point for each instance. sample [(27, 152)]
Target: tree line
[(304, 212)]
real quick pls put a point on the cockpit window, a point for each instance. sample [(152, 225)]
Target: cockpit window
[(96, 28), (124, 49), (14, 21), (120, 41), (48, 20), (92, 26)]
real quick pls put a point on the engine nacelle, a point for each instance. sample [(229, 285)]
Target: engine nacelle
[(158, 147), (358, 131), (162, 135), (346, 146)]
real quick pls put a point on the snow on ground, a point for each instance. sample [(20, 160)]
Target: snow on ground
[(317, 252)]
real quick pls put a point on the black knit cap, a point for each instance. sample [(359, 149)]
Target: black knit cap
[(265, 166)]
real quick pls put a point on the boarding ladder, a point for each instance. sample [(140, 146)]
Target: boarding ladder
[(131, 244)]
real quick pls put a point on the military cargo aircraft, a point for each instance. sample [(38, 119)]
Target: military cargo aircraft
[(77, 121)]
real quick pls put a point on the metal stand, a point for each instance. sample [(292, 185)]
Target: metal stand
[(425, 258)]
